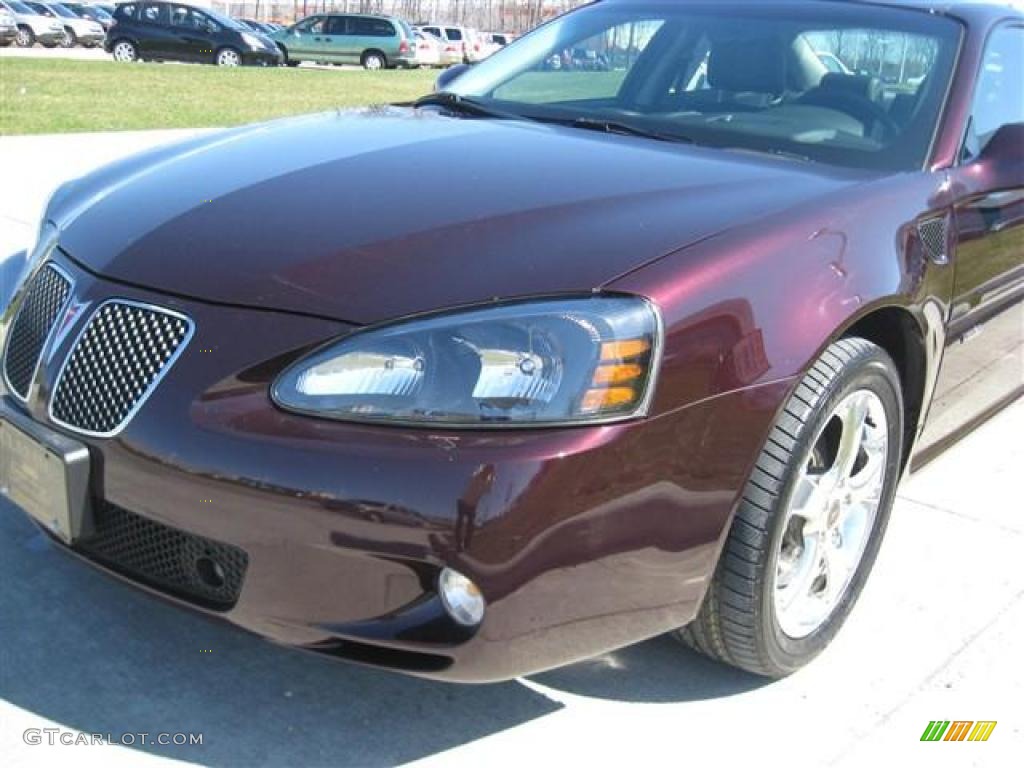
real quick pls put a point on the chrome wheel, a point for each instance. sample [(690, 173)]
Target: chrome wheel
[(373, 61), (228, 58), (831, 513), (25, 38), (69, 39), (124, 51)]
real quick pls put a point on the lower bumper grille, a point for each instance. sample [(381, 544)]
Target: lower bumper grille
[(192, 568)]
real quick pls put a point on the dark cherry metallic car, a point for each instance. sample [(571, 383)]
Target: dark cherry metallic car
[(654, 363)]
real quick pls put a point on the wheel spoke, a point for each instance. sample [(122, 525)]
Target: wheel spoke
[(832, 508), (853, 415)]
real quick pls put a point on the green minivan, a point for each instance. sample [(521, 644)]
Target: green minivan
[(376, 42)]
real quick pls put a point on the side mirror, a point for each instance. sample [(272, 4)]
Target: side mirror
[(448, 75), (1001, 163)]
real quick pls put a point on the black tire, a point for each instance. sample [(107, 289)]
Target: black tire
[(26, 37), (49, 45), (286, 61), (124, 51), (374, 60), (737, 623), (226, 55)]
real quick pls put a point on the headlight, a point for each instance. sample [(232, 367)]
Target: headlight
[(251, 40), (526, 364)]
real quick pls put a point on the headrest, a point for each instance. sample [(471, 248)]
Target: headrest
[(860, 85), (755, 65)]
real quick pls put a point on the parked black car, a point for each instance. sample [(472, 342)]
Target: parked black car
[(179, 32)]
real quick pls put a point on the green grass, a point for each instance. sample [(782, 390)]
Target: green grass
[(58, 96)]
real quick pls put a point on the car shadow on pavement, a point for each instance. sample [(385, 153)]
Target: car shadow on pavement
[(91, 654), (659, 670)]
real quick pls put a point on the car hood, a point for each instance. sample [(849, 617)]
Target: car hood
[(375, 214)]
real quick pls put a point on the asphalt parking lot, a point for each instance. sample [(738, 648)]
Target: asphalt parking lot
[(935, 636)]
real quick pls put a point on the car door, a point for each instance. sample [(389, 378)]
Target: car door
[(190, 34), (304, 39), (336, 43), (155, 39), (983, 362)]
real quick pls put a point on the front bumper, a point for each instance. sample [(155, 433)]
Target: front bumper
[(91, 38), (582, 540), (49, 37), (262, 58)]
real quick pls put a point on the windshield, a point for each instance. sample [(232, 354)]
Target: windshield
[(837, 83), (60, 10), (226, 21), (17, 7)]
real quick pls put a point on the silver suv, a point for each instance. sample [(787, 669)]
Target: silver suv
[(33, 27)]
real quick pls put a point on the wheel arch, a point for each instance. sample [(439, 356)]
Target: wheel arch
[(378, 51), (226, 47), (895, 329)]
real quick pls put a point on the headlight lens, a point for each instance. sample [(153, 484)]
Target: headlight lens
[(251, 40), (525, 364)]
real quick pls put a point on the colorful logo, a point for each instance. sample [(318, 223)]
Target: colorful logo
[(958, 730)]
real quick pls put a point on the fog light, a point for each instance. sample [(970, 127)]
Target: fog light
[(461, 598)]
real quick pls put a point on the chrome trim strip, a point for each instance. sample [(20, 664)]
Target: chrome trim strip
[(49, 334), (153, 384)]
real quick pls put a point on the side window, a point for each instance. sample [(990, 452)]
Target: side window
[(433, 31), (383, 28), (153, 13), (999, 93), (592, 68), (204, 22), (312, 26), (181, 16), (371, 27), (453, 33), (125, 11), (336, 25)]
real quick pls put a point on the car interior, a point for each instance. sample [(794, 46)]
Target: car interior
[(711, 84)]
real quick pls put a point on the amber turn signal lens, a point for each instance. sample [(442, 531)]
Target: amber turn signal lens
[(623, 350), (597, 400), (617, 374)]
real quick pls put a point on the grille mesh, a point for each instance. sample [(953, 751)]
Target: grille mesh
[(115, 364), (44, 299), (166, 558), (933, 236)]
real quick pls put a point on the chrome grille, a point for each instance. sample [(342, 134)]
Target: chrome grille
[(114, 365), (44, 299)]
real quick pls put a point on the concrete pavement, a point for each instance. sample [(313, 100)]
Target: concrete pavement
[(935, 636)]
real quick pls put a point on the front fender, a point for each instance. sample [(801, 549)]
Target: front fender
[(759, 302)]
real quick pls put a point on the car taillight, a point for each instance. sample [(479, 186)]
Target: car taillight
[(451, 49), (403, 47)]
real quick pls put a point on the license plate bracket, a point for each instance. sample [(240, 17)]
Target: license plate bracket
[(46, 474)]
